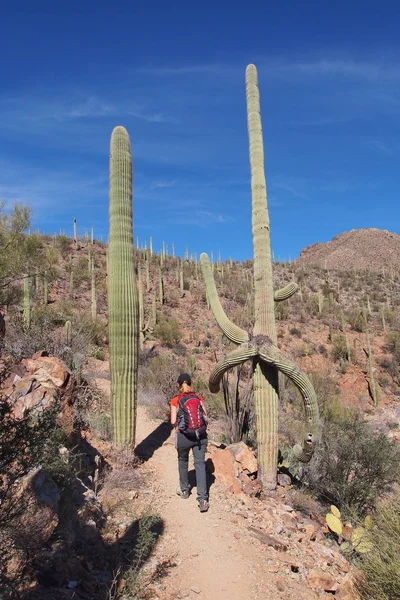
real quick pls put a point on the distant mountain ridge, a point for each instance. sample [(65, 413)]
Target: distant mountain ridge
[(371, 249)]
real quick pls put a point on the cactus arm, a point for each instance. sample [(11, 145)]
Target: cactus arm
[(234, 358), (232, 331), (286, 292), (273, 356)]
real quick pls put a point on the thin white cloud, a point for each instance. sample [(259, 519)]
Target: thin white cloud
[(284, 68), (289, 185), (204, 69), (162, 184), (379, 146), (200, 218)]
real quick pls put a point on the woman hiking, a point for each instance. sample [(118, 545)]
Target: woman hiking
[(189, 416)]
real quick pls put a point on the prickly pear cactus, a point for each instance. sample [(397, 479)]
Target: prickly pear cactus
[(122, 294), (261, 346)]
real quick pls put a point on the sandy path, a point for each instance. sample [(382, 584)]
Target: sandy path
[(212, 564)]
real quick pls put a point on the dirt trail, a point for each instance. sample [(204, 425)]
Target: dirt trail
[(215, 559)]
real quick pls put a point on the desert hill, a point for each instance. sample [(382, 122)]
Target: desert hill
[(371, 249)]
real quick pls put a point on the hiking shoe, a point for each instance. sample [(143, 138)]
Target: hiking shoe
[(203, 505), (185, 495)]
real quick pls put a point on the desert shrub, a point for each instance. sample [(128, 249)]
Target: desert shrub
[(352, 465), (304, 502), (45, 333), (63, 244), (356, 319), (281, 311), (136, 579), (295, 331), (100, 425), (20, 343), (339, 348), (24, 444), (168, 331), (393, 341), (325, 387), (158, 382), (322, 350), (380, 568)]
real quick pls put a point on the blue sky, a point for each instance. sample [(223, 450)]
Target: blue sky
[(173, 74)]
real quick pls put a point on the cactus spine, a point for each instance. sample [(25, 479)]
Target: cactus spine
[(261, 346), (122, 294)]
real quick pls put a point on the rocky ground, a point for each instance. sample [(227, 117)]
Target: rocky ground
[(81, 537), (244, 548)]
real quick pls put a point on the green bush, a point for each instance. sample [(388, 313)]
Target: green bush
[(339, 348), (394, 344), (24, 444), (295, 331), (63, 244), (380, 568), (352, 465), (168, 331), (356, 320)]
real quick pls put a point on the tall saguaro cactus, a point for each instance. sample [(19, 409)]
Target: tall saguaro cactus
[(122, 294), (261, 345)]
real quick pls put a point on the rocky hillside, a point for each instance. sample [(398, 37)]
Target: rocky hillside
[(341, 328), (371, 249)]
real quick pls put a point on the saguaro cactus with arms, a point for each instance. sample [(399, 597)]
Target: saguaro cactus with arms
[(261, 345)]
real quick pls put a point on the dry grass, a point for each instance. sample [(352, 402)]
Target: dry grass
[(380, 567)]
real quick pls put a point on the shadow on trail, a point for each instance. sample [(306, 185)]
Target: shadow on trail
[(192, 478), (89, 557), (89, 568), (153, 441)]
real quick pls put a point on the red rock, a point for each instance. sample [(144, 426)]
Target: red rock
[(251, 487), (243, 455), (320, 580), (310, 532), (49, 371), (346, 589), (224, 471)]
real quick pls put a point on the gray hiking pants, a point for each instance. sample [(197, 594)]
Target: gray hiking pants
[(183, 446)]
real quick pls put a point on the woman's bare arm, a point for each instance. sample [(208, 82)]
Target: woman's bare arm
[(173, 415)]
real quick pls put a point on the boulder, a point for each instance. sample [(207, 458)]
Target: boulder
[(284, 480), (36, 389), (243, 455), (49, 371), (39, 497), (318, 579), (224, 471)]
